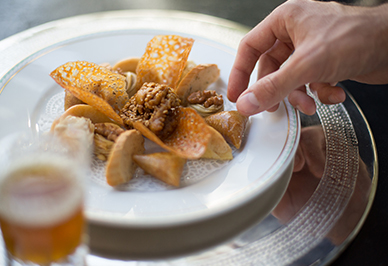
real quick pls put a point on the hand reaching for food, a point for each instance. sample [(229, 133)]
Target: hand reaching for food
[(309, 42)]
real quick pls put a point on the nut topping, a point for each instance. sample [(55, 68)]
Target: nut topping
[(155, 105), (206, 102), (206, 98)]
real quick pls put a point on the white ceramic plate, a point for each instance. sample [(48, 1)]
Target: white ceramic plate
[(30, 99)]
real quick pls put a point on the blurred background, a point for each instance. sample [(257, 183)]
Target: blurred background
[(18, 15), (369, 247)]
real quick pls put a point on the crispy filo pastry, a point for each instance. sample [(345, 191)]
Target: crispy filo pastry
[(164, 60), (165, 166), (94, 85), (189, 139), (217, 148), (231, 125)]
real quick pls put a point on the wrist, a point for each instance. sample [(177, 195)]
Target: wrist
[(375, 71), (380, 16)]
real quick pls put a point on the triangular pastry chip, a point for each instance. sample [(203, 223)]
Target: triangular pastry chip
[(217, 147), (231, 125), (97, 102), (165, 166)]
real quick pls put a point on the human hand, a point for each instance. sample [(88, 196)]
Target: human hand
[(329, 42)]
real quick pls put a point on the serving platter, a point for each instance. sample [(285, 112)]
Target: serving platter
[(220, 209)]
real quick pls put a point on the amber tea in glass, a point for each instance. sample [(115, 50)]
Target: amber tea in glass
[(41, 209)]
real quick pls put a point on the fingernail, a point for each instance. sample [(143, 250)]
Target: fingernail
[(248, 104)]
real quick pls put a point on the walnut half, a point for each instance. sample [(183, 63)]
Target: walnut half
[(206, 102)]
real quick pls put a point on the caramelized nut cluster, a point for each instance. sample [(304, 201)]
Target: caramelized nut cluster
[(155, 105)]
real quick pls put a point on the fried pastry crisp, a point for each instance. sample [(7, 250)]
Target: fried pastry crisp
[(217, 147), (189, 139), (231, 125), (164, 60), (71, 100), (97, 102), (165, 166), (82, 78)]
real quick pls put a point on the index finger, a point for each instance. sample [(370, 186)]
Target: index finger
[(259, 40), (252, 46)]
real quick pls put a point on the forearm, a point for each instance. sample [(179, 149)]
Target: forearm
[(377, 18)]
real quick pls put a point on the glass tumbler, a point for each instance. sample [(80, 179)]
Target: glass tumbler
[(41, 202)]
